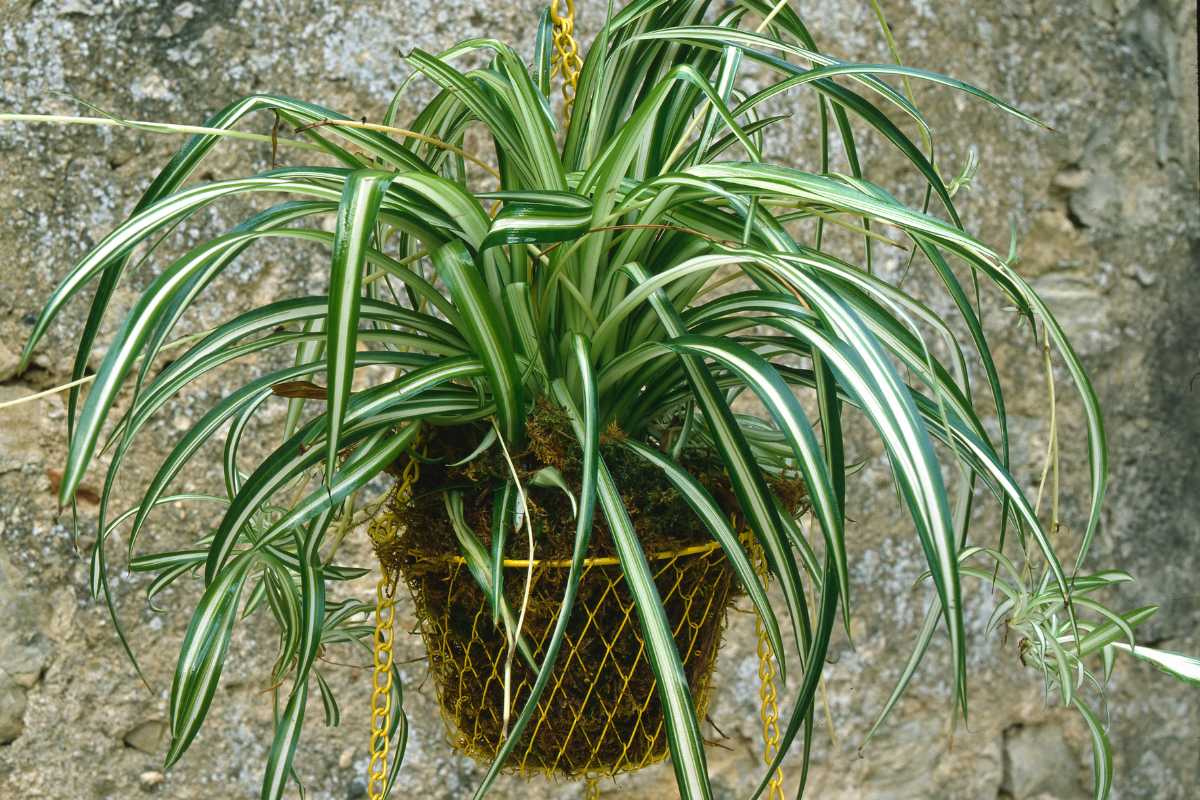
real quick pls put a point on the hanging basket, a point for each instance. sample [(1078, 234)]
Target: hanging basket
[(600, 713)]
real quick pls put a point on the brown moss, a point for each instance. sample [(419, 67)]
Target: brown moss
[(549, 432), (791, 490), (660, 515)]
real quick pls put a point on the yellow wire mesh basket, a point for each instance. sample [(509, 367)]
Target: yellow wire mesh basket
[(600, 713)]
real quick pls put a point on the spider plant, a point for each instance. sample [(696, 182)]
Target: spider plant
[(491, 259)]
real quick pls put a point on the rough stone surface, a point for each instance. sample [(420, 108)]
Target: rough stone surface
[(1106, 214), (12, 712), (150, 737), (1034, 756)]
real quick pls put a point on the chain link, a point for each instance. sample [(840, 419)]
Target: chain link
[(381, 695), (567, 61), (381, 681), (768, 694)]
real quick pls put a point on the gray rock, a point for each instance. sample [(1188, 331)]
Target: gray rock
[(24, 651), (24, 647), (12, 710), (149, 737), (1039, 764), (8, 362)]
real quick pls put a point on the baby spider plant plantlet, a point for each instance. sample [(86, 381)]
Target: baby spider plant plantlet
[(539, 332)]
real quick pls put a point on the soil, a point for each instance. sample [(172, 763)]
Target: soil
[(661, 517)]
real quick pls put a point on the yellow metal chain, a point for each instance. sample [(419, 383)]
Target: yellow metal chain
[(567, 61), (381, 695), (381, 681), (768, 693)]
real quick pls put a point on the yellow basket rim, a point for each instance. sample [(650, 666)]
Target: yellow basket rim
[(603, 561)]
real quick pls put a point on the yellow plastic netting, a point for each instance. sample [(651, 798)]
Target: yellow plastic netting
[(600, 714)]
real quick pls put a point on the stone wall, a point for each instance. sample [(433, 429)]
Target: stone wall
[(1106, 212)]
